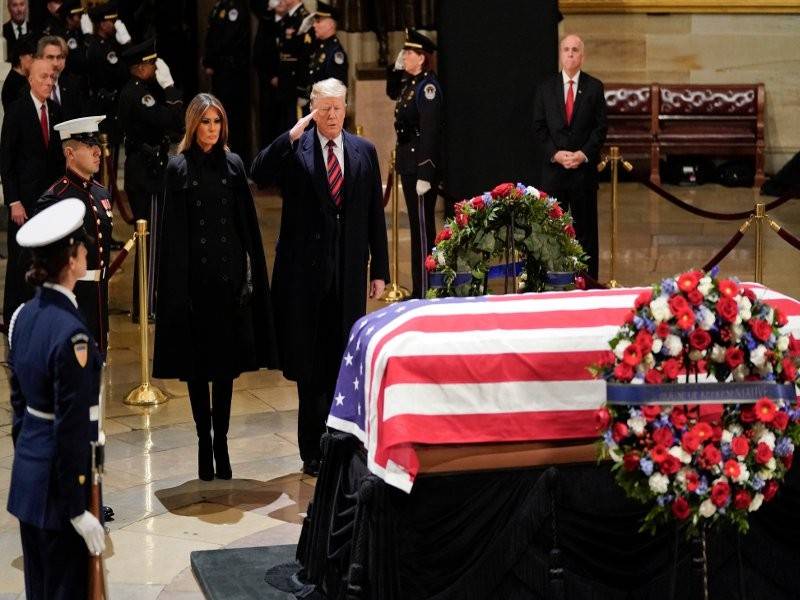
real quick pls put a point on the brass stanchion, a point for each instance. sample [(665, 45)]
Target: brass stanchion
[(614, 158), (105, 154), (144, 394), (395, 292), (360, 130), (760, 217)]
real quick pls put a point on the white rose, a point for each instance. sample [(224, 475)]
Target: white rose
[(739, 373), (718, 354), (783, 343), (735, 429), (758, 356), (660, 309), (771, 464), (440, 258), (707, 508), (744, 474), (765, 474), (659, 483), (680, 454), (767, 438), (649, 361), (657, 343), (727, 437), (673, 344), (614, 453), (743, 302), (744, 314), (707, 319), (619, 350), (532, 191), (637, 424), (705, 285), (755, 503)]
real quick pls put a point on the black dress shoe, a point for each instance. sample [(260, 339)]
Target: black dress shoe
[(311, 467), (108, 514)]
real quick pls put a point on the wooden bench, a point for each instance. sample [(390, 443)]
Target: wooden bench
[(719, 120)]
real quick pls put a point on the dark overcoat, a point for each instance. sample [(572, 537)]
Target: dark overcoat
[(305, 265), (173, 353)]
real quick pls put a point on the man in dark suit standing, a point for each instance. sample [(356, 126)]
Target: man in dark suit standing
[(67, 91), (30, 160), (332, 227), (16, 26), (570, 124)]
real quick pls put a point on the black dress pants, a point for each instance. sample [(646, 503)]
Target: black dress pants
[(583, 206), (16, 290), (55, 562), (212, 411), (418, 252)]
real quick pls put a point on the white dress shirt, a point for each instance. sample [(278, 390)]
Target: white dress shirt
[(338, 149), (38, 104), (19, 29), (565, 78)]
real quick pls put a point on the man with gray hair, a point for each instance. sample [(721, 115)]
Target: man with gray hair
[(332, 227)]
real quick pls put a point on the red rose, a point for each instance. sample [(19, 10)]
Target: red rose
[(692, 481), (458, 207), (671, 368), (742, 500), (619, 431), (711, 455), (788, 369), (569, 230), (681, 509), (716, 433), (623, 372), (765, 410), (444, 234), (462, 219), (653, 376), (734, 357), (748, 414), (651, 411), (720, 493), (542, 195), (761, 329), (688, 281), (502, 190), (780, 421), (780, 318), (631, 461), (477, 203), (643, 299), (740, 445), (763, 453), (690, 441), (659, 454), (555, 212), (663, 436), (632, 355), (728, 288), (732, 469), (430, 263), (703, 431), (794, 346), (662, 330), (770, 489), (685, 319), (749, 294), (678, 417), (727, 309), (678, 304), (787, 461), (695, 297), (670, 465), (629, 316), (580, 282), (644, 341), (725, 334), (602, 418), (700, 339)]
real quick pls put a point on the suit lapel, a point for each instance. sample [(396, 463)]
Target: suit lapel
[(558, 91), (352, 162), (36, 120), (579, 94), (315, 165)]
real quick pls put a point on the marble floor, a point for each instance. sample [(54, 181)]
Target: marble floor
[(163, 511)]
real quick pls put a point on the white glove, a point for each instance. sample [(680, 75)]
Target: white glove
[(273, 4), (163, 75), (399, 63), (122, 35), (92, 532), (302, 102), (86, 24), (423, 187), (306, 24)]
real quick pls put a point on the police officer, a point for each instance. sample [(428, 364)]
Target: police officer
[(226, 61), (151, 116), (82, 152), (265, 63), (417, 123), (55, 384), (328, 58), (74, 22), (296, 40)]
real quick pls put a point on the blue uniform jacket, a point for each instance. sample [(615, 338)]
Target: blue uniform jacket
[(55, 383)]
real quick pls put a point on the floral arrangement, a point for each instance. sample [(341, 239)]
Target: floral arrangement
[(542, 233), (697, 465)]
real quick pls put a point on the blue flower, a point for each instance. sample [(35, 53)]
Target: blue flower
[(769, 377), (702, 486), (635, 413), (521, 187), (784, 447), (664, 499), (751, 343), (714, 271), (646, 465), (668, 287), (757, 482), (662, 420), (608, 439), (726, 450), (487, 198)]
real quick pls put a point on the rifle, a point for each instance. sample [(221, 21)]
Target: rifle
[(98, 587), (108, 177)]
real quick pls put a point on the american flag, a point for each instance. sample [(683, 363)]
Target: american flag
[(477, 370)]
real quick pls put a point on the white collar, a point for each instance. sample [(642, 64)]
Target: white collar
[(338, 141), (60, 288), (565, 78), (294, 9), (38, 104)]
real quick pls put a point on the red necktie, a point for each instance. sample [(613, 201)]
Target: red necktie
[(570, 102), (45, 126), (334, 175)]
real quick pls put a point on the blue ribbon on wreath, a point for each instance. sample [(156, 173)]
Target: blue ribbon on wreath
[(436, 280)]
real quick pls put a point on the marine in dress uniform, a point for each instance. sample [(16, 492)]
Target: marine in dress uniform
[(151, 116), (417, 123), (296, 40), (92, 289), (55, 386), (328, 58)]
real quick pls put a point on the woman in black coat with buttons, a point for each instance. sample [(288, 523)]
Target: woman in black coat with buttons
[(213, 310)]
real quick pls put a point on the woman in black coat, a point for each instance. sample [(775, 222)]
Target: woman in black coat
[(214, 316)]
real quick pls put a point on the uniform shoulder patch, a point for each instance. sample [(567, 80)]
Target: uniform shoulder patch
[(338, 58), (221, 14), (148, 100), (112, 57), (80, 347), (233, 14), (429, 91), (72, 43)]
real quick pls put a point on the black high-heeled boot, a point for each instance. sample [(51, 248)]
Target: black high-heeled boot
[(201, 412), (221, 391)]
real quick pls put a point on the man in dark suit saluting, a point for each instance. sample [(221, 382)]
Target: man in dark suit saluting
[(570, 124), (30, 160), (332, 227)]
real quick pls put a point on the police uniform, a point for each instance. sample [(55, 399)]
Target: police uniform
[(227, 52), (328, 58), (417, 123), (149, 118), (76, 63), (293, 50), (92, 289), (55, 388)]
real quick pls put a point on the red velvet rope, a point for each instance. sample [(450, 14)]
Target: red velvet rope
[(788, 237)]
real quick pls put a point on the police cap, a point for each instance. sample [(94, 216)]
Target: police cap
[(104, 12), (326, 11), (140, 53), (418, 42)]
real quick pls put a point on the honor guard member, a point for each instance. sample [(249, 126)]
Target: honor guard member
[(265, 63), (328, 58), (55, 385), (75, 22), (151, 117), (295, 44), (226, 62), (417, 123), (82, 152)]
